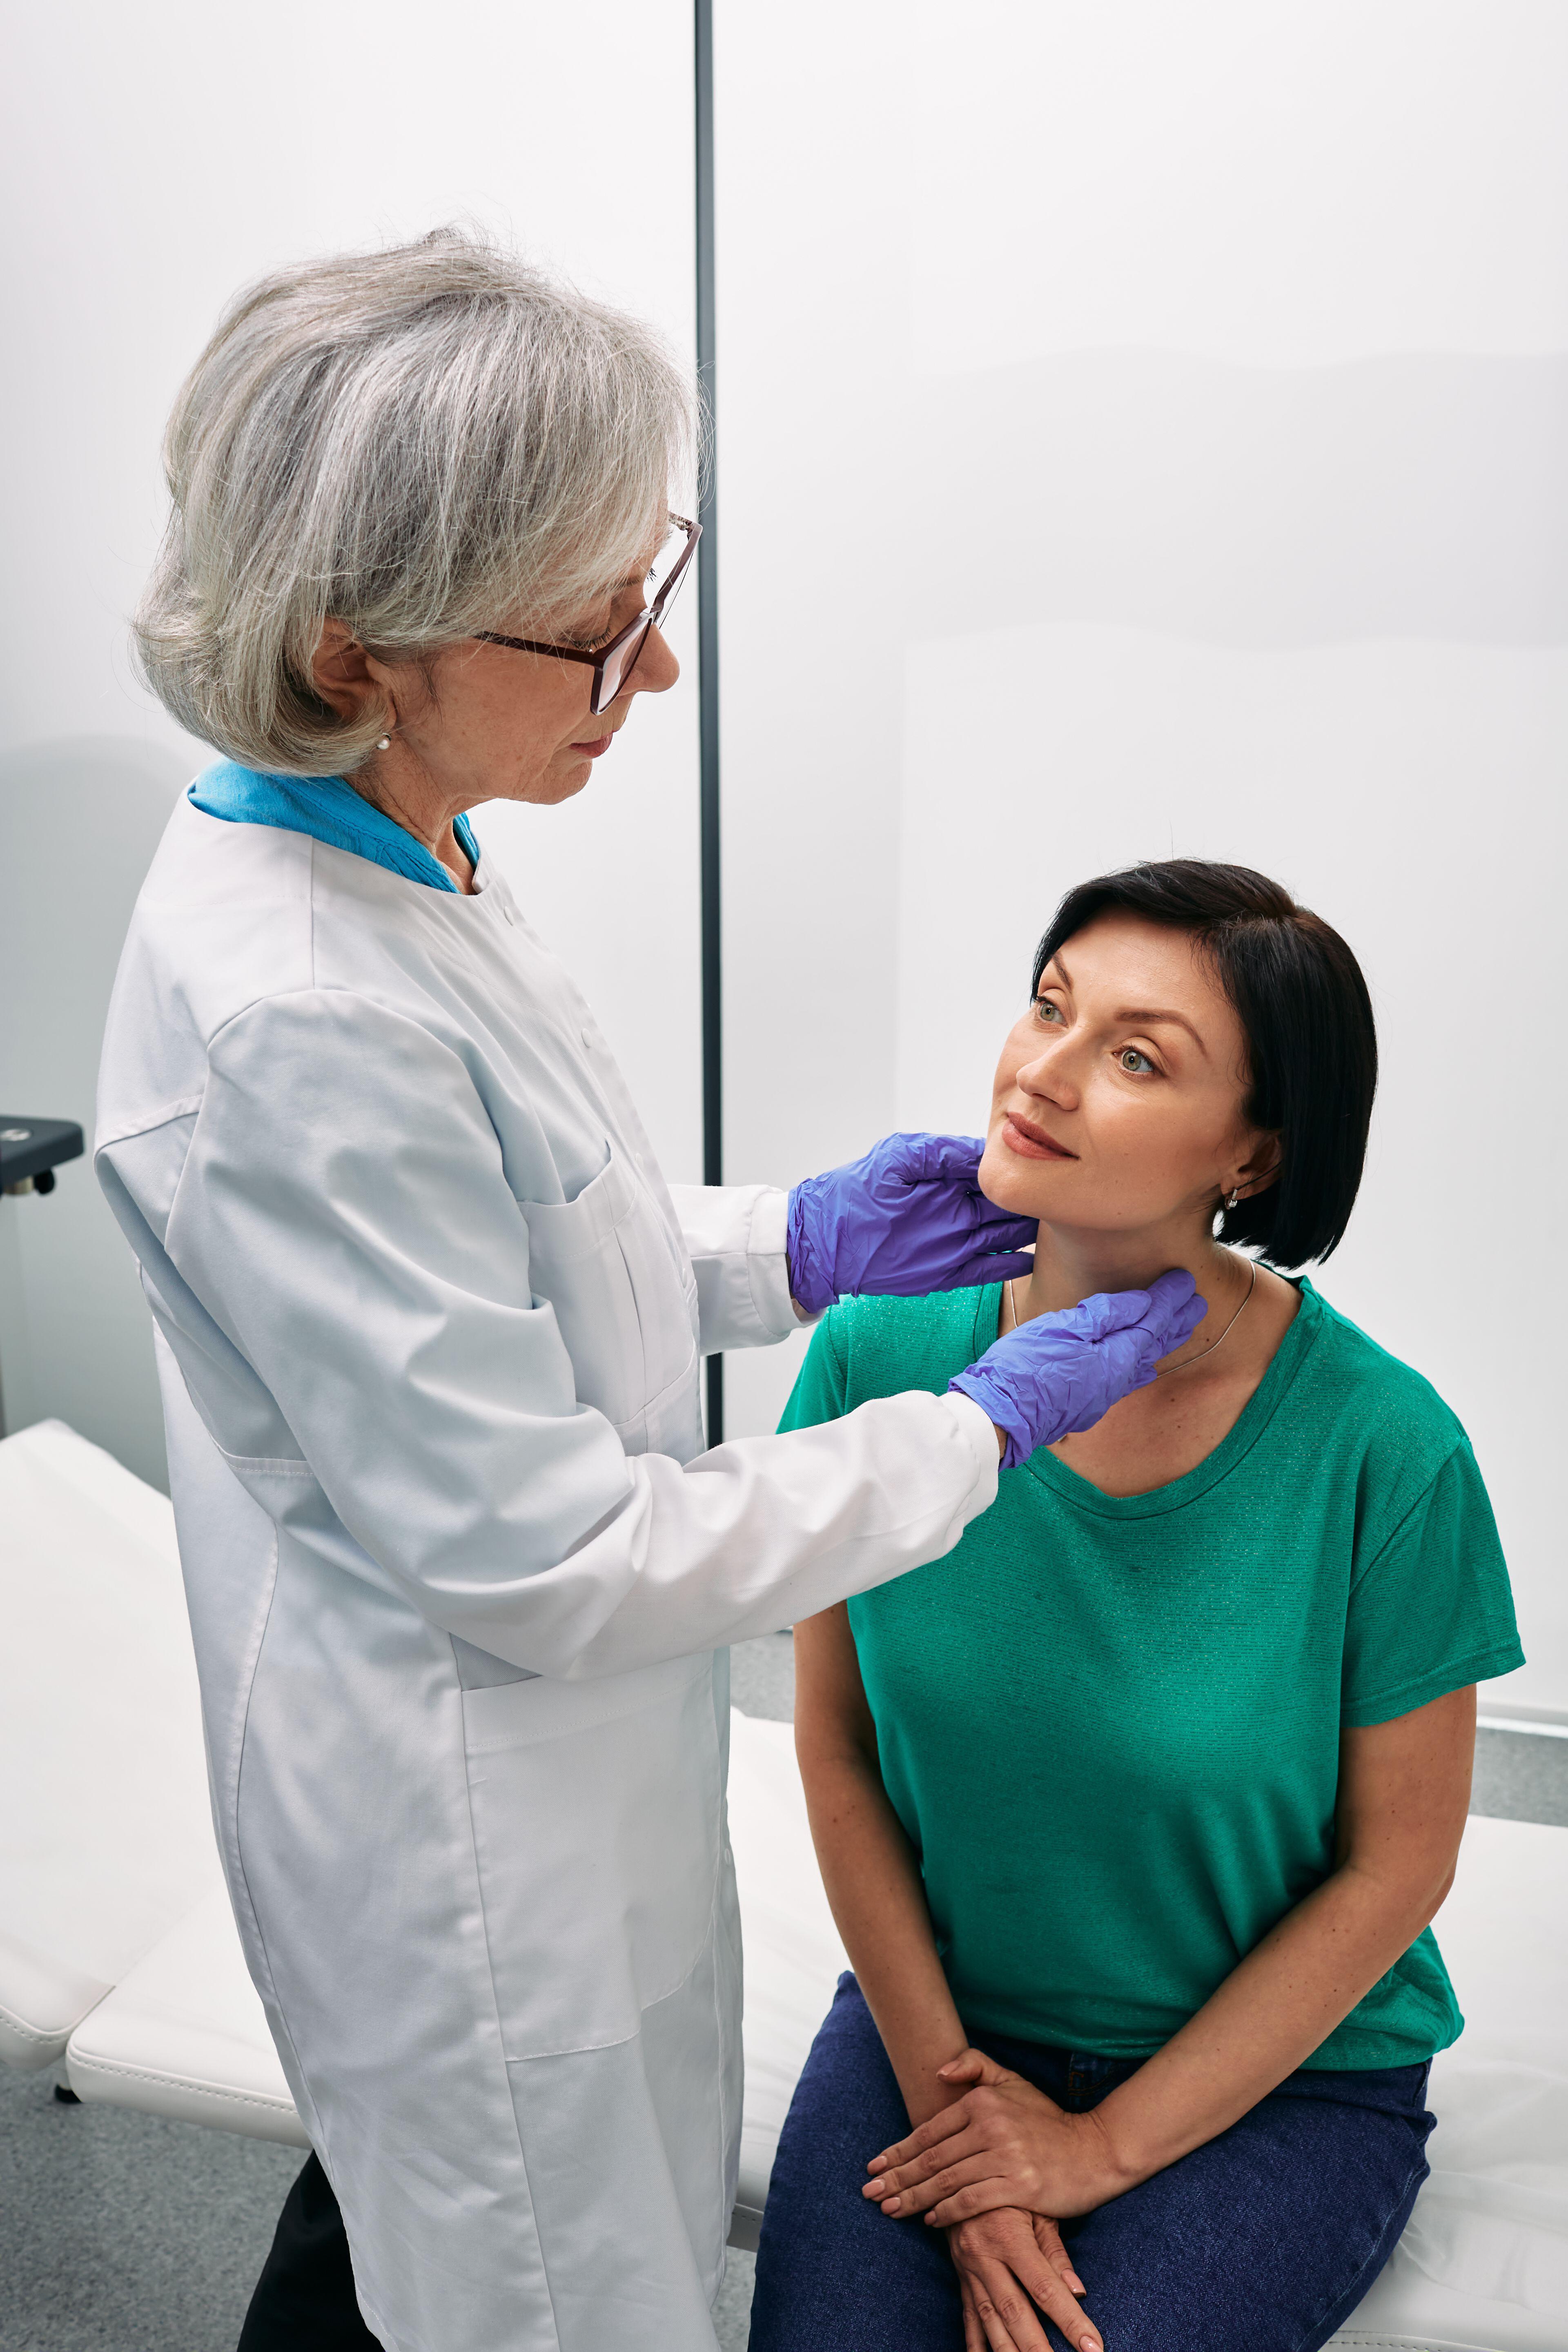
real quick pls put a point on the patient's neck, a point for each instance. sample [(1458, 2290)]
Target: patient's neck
[(1072, 1262)]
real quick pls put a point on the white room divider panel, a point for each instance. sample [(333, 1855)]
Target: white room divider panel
[(1143, 431), (154, 158)]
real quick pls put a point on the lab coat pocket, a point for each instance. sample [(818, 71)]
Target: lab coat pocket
[(596, 1812), (625, 1298)]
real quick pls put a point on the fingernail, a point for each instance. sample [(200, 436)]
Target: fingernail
[(1076, 2283), (1088, 2344), (873, 2189), (890, 2205)]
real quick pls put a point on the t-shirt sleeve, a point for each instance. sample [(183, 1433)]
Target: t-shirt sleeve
[(1433, 1610), (822, 1385)]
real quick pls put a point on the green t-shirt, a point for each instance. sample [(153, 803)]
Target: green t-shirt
[(1111, 1727)]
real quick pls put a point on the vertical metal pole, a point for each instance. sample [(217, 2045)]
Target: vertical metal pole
[(708, 672)]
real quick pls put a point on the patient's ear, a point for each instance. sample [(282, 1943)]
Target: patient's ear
[(1259, 1171)]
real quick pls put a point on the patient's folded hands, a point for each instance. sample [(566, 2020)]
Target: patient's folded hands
[(1000, 2143)]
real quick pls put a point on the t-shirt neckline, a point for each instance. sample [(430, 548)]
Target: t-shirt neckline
[(1306, 1328)]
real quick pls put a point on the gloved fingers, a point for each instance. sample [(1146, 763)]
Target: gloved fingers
[(1172, 1288), (1174, 1310), (931, 1158), (1107, 1312), (1184, 1323), (1128, 1359), (1000, 1227), (1137, 1356)]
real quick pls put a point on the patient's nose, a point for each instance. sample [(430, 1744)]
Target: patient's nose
[(1048, 1075)]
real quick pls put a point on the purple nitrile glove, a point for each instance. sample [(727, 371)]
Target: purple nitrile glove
[(908, 1219), (1060, 1373)]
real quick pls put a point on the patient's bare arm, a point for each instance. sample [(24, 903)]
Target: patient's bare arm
[(1003, 2259), (872, 1879)]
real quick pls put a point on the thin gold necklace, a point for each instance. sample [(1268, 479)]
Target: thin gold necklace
[(1017, 1320)]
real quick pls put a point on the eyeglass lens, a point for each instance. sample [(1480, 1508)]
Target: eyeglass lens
[(665, 578), (620, 665)]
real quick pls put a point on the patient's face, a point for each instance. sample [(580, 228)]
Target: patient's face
[(1118, 1099)]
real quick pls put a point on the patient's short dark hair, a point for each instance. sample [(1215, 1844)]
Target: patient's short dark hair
[(1311, 1045)]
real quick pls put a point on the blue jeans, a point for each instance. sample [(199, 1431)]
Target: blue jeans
[(1264, 2240)]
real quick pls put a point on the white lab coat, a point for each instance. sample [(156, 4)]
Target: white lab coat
[(430, 1326)]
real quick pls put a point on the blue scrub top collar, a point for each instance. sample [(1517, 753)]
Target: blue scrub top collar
[(328, 809)]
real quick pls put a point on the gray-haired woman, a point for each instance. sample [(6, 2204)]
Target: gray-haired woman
[(430, 1321)]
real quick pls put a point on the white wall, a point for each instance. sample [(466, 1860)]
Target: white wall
[(153, 159), (80, 819), (1178, 395)]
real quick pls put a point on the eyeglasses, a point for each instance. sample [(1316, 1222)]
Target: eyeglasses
[(614, 663)]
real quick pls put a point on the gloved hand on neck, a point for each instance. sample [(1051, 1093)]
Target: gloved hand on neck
[(1057, 1374)]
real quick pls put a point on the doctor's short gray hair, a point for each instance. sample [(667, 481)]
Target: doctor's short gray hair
[(420, 443)]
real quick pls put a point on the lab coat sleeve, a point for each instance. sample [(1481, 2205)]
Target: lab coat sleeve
[(735, 1234), (344, 1215)]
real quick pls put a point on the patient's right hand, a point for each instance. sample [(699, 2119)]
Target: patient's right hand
[(1008, 2261), (1057, 1374)]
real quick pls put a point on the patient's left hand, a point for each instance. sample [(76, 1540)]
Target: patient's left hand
[(1006, 2269), (1002, 2142)]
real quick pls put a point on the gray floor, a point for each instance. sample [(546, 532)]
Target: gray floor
[(121, 2234)]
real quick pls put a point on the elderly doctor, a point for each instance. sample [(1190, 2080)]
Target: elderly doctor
[(430, 1321)]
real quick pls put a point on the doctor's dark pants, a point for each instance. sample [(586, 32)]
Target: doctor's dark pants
[(1263, 2240), (304, 2300)]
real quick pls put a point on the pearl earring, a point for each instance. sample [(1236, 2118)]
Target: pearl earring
[(385, 744)]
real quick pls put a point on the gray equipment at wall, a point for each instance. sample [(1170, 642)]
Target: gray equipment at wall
[(30, 1151)]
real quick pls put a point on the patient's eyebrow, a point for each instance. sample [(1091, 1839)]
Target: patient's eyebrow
[(1148, 1014), (1145, 1012)]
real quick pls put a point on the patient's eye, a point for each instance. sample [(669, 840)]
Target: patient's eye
[(1046, 1011), (1134, 1062)]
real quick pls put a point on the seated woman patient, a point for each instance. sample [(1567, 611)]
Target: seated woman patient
[(1134, 1809)]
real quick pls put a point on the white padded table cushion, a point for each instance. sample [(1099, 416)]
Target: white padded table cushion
[(184, 2035), (1484, 2262), (106, 1834)]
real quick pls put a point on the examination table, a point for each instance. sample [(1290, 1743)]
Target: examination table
[(117, 1952)]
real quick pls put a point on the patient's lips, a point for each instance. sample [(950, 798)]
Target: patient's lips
[(1031, 1142)]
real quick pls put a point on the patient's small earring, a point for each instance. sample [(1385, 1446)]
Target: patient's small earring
[(1230, 1204), (385, 744)]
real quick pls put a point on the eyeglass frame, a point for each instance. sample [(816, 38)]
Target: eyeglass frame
[(647, 621)]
